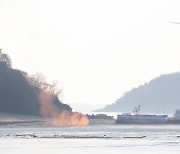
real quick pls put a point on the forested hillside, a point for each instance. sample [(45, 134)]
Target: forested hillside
[(24, 94)]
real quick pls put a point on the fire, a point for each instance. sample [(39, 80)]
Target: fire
[(70, 119), (64, 118)]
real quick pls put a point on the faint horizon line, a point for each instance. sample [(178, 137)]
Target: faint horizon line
[(173, 22)]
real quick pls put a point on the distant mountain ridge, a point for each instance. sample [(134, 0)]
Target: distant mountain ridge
[(160, 95)]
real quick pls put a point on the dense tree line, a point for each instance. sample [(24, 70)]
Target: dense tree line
[(19, 92)]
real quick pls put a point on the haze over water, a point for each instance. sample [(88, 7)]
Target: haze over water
[(97, 50)]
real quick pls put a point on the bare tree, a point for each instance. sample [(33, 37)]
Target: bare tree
[(38, 80)]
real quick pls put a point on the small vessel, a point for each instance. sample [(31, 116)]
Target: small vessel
[(141, 119), (137, 118)]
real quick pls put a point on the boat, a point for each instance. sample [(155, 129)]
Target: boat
[(137, 118), (129, 118)]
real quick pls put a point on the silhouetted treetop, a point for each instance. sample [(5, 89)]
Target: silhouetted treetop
[(5, 59)]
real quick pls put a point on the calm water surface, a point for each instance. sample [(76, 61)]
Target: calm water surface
[(99, 139)]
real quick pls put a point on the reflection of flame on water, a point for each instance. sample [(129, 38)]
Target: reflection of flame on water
[(60, 118)]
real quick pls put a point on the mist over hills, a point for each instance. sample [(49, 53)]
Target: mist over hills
[(24, 94), (160, 95)]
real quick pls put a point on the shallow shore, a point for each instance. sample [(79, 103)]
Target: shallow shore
[(43, 123), (17, 120)]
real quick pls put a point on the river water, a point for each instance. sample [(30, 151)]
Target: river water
[(92, 139)]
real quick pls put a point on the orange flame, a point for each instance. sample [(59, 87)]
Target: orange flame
[(65, 118), (70, 119)]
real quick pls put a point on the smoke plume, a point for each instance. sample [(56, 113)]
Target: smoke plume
[(59, 117)]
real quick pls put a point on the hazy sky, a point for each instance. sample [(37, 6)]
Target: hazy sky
[(95, 49)]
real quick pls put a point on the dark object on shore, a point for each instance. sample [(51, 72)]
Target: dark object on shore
[(100, 116), (134, 137)]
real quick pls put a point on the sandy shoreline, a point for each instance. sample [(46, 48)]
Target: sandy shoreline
[(17, 120)]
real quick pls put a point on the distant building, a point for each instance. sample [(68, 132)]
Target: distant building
[(177, 114)]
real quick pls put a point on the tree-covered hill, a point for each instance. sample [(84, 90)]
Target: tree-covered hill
[(20, 93), (160, 95)]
